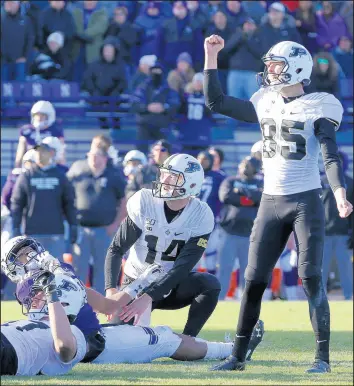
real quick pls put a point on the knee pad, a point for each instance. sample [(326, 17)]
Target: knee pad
[(308, 270), (208, 282)]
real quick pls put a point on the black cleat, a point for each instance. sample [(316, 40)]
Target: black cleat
[(230, 363), (256, 339), (318, 367)]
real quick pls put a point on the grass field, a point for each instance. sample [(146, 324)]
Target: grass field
[(282, 358)]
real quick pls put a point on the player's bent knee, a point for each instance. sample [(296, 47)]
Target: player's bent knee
[(253, 275), (209, 282)]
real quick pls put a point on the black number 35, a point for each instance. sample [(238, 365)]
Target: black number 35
[(269, 131)]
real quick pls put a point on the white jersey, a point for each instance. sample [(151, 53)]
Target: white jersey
[(34, 346), (161, 241), (290, 147)]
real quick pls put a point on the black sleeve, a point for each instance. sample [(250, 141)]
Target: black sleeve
[(218, 102), (19, 200), (185, 262), (326, 135), (125, 237)]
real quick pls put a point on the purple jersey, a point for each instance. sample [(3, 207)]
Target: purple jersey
[(34, 136), (210, 190), (6, 192)]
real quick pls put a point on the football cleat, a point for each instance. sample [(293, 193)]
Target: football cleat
[(256, 339), (230, 363), (318, 367)]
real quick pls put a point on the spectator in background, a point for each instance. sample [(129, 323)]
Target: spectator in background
[(339, 235), (235, 13), (195, 119), (324, 77), (177, 35), (305, 19), (346, 11), (32, 11), (241, 195), (255, 9), (52, 62), (43, 124), (123, 30), (218, 159), (99, 190), (275, 30), (57, 18), (91, 23), (330, 27), (132, 7), (58, 152), (343, 54), (244, 61), (214, 6), (106, 78), (133, 162), (178, 78), (198, 14), (148, 23), (17, 39), (145, 176), (143, 71), (221, 27), (42, 197), (155, 105)]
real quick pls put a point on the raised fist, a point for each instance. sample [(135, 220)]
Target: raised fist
[(213, 44), (45, 281)]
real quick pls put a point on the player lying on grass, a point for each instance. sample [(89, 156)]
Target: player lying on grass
[(105, 344)]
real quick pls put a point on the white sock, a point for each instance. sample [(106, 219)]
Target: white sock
[(216, 350)]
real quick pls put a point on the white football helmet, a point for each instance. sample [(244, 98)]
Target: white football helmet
[(55, 144), (133, 155), (180, 176), (71, 292), (297, 66), (42, 107), (21, 246), (29, 156)]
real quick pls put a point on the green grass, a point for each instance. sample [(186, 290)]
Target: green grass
[(282, 358)]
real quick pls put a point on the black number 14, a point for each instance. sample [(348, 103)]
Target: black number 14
[(151, 244)]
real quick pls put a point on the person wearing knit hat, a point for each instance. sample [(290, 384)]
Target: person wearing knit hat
[(183, 74), (55, 41)]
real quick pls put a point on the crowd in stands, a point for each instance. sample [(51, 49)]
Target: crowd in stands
[(153, 52)]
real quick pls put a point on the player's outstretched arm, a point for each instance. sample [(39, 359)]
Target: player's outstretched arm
[(127, 234), (215, 99), (64, 340)]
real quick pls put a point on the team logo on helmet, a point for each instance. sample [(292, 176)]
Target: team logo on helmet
[(192, 167), (297, 51)]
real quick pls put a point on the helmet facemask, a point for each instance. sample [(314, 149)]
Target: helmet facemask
[(274, 78), (22, 258), (169, 184)]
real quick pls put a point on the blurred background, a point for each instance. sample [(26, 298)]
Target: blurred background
[(124, 82)]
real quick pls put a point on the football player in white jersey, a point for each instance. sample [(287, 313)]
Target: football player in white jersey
[(295, 126), (46, 343), (168, 226), (117, 344)]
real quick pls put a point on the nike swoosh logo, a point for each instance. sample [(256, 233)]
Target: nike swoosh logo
[(320, 341), (240, 336), (177, 234), (165, 296)]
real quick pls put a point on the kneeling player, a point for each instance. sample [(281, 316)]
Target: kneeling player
[(46, 343)]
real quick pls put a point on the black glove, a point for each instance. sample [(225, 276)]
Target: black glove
[(73, 232), (46, 282)]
